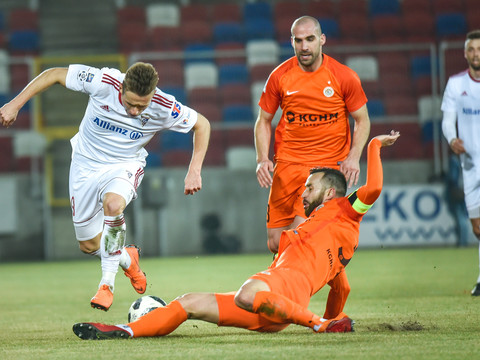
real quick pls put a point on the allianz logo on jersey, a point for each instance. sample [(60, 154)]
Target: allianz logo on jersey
[(468, 111), (134, 135)]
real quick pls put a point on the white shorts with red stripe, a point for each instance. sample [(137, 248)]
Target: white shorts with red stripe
[(88, 188)]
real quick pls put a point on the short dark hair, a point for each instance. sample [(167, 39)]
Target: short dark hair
[(332, 178), (474, 34), (141, 79)]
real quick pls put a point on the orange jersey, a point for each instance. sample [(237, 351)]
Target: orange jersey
[(314, 128)]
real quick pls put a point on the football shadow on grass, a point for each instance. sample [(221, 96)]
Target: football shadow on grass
[(403, 326)]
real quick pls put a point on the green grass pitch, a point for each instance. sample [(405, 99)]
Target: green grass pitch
[(407, 304)]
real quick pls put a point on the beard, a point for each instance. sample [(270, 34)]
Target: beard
[(313, 205)]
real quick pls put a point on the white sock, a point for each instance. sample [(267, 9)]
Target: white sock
[(125, 259), (478, 280), (111, 245)]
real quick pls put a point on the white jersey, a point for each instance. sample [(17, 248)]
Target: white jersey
[(462, 97), (107, 134)]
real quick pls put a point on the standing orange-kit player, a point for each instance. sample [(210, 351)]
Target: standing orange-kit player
[(310, 256), (316, 94)]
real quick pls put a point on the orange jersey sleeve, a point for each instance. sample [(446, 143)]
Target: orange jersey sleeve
[(314, 127)]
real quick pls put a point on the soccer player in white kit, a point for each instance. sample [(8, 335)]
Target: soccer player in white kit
[(124, 112), (461, 109)]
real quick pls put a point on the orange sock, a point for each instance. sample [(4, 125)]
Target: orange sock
[(281, 309), (159, 322)]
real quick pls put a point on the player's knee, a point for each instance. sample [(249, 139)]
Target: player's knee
[(244, 300), (113, 205), (88, 247)]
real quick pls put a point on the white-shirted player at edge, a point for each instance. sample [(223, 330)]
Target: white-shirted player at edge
[(124, 112), (461, 109)]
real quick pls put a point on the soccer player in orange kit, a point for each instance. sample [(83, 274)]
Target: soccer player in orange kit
[(316, 94), (310, 256)]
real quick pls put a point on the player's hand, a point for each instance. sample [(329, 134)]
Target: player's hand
[(457, 146), (264, 173), (388, 139), (193, 183), (351, 169), (8, 115)]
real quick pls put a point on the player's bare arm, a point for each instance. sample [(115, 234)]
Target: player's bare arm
[(388, 139), (201, 138), (351, 165), (263, 133), (9, 111)]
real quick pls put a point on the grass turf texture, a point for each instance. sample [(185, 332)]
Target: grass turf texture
[(407, 304)]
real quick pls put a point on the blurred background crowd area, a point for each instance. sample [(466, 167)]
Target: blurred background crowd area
[(215, 57)]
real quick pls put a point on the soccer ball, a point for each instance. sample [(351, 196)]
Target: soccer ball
[(143, 306)]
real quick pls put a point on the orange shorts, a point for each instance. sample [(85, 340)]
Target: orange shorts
[(291, 284), (285, 200)]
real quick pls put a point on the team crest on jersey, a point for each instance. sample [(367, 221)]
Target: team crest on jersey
[(129, 174), (105, 107), (144, 120), (90, 77), (82, 75), (328, 91)]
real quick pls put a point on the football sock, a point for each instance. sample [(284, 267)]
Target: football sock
[(96, 253), (478, 280), (125, 259), (280, 309), (159, 322), (111, 245)]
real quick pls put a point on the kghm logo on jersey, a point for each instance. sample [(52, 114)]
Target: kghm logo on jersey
[(177, 109), (311, 119), (134, 135)]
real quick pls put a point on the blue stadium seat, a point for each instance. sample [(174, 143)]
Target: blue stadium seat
[(2, 21), (172, 140), (177, 91), (259, 29), (228, 32), (24, 41), (376, 108), (420, 66), (330, 27), (198, 53), (233, 74), (257, 10), (448, 25), (382, 7), (237, 113)]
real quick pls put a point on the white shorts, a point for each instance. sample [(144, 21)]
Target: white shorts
[(89, 186), (471, 186)]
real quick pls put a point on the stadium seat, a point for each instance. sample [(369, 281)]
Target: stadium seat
[(176, 158), (237, 113), (230, 53), (199, 53), (257, 10), (233, 74), (196, 32), (388, 28), (228, 32), (454, 62), (283, 28), (372, 89), (473, 18), (420, 66), (322, 9), (413, 6), (256, 89), (241, 158), (235, 94), (172, 140), (226, 12), (239, 137), (211, 111), (366, 66), (204, 95), (131, 14), (288, 10), (393, 62), (133, 37), (22, 19), (216, 150), (163, 38), (330, 28), (354, 29), (170, 72), (419, 26), (5, 79), (259, 28), (401, 105), (396, 84), (159, 14), (451, 26), (382, 7), (24, 42), (6, 149), (200, 75), (376, 108), (356, 7), (423, 85), (472, 6), (429, 108), (261, 52), (177, 91), (3, 24), (260, 72), (447, 6), (194, 12)]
